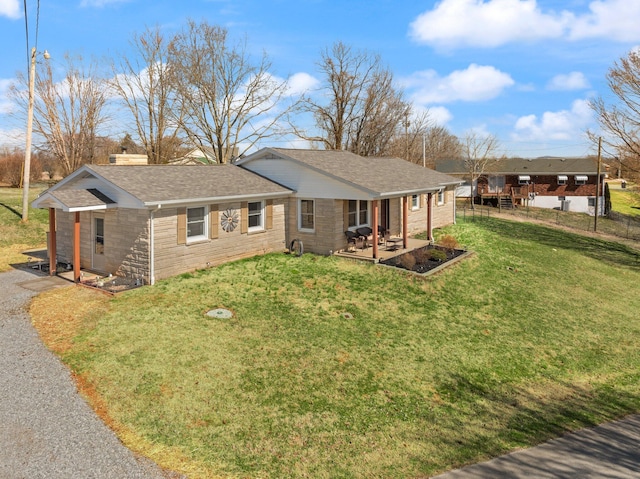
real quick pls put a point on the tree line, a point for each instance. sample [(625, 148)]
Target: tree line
[(199, 88)]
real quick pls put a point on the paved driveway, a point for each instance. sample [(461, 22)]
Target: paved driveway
[(46, 429)]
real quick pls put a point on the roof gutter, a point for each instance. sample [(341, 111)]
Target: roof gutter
[(216, 199)]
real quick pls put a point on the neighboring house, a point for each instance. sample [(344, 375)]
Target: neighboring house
[(202, 156), (336, 191), (568, 184), (152, 222)]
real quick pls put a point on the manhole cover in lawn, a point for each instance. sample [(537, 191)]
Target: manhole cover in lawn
[(220, 313)]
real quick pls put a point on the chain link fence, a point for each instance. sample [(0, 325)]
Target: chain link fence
[(615, 224)]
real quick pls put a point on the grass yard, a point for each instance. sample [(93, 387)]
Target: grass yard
[(332, 368), (625, 201), (16, 236)]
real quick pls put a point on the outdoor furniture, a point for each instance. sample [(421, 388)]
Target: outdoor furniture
[(366, 233), (353, 238), (383, 235), (393, 244)]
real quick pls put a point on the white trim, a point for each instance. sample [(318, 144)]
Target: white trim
[(300, 228), (259, 227), (205, 227)]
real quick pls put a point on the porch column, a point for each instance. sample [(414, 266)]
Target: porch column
[(53, 261), (76, 248), (405, 221), (429, 216), (375, 228)]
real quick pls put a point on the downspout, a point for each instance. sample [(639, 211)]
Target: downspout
[(455, 197), (152, 247)]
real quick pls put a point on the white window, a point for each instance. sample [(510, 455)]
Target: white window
[(197, 223), (592, 202), (255, 215), (415, 202), (306, 220), (581, 179), (440, 197), (358, 213), (524, 179), (562, 179)]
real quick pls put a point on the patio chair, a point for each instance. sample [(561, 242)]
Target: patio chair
[(366, 233), (354, 239), (383, 235)]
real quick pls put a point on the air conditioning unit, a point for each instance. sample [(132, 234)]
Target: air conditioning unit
[(565, 205)]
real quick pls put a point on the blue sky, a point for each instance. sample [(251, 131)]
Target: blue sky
[(523, 70)]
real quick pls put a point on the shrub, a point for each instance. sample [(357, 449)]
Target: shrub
[(422, 255), (448, 242), (11, 164), (408, 261), (438, 255)]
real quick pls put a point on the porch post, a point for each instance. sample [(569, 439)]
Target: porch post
[(405, 220), (375, 228), (53, 261), (429, 216), (76, 248)]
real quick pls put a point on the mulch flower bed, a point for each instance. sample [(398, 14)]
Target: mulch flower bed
[(425, 259)]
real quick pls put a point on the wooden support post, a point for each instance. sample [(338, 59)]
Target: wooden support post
[(405, 221), (53, 261), (429, 216), (76, 248), (375, 229)]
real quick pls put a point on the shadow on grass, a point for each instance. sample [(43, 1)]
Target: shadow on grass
[(534, 418), (14, 211), (602, 250)]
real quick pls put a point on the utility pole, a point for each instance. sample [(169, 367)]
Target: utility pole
[(27, 151), (595, 221)]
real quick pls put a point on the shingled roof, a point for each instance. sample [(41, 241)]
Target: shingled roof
[(381, 176), (537, 166)]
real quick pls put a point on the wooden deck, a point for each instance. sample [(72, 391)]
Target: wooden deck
[(383, 253)]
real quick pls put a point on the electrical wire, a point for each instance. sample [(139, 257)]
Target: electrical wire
[(26, 27)]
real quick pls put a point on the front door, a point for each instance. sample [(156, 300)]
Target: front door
[(496, 184), (98, 262), (384, 214)]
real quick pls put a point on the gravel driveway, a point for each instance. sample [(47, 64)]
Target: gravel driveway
[(46, 429)]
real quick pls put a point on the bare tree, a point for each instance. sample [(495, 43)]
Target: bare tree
[(143, 82), (478, 153), (228, 102), (621, 120), (440, 144), (68, 115), (359, 108)]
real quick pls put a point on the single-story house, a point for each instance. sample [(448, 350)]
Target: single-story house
[(153, 222), (156, 221), (336, 191), (568, 184)]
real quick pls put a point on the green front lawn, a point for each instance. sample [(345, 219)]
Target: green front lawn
[(16, 236), (331, 368), (625, 201)]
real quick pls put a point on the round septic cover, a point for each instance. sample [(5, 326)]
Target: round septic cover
[(220, 313)]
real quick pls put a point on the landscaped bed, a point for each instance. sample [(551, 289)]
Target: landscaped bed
[(333, 368), (424, 260)]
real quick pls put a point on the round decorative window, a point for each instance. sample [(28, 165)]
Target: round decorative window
[(230, 220)]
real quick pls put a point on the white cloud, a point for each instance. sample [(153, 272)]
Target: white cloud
[(12, 138), (440, 115), (100, 3), (6, 105), (490, 23), (570, 81), (476, 83), (554, 125), (10, 8), (300, 83), (613, 19)]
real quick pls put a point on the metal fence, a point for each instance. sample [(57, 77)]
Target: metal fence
[(614, 224)]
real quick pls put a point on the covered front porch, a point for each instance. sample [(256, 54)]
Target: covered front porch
[(384, 251)]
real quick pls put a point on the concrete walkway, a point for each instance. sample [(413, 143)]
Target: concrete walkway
[(46, 429), (609, 451)]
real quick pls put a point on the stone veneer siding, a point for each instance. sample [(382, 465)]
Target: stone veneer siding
[(172, 258), (126, 241)]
